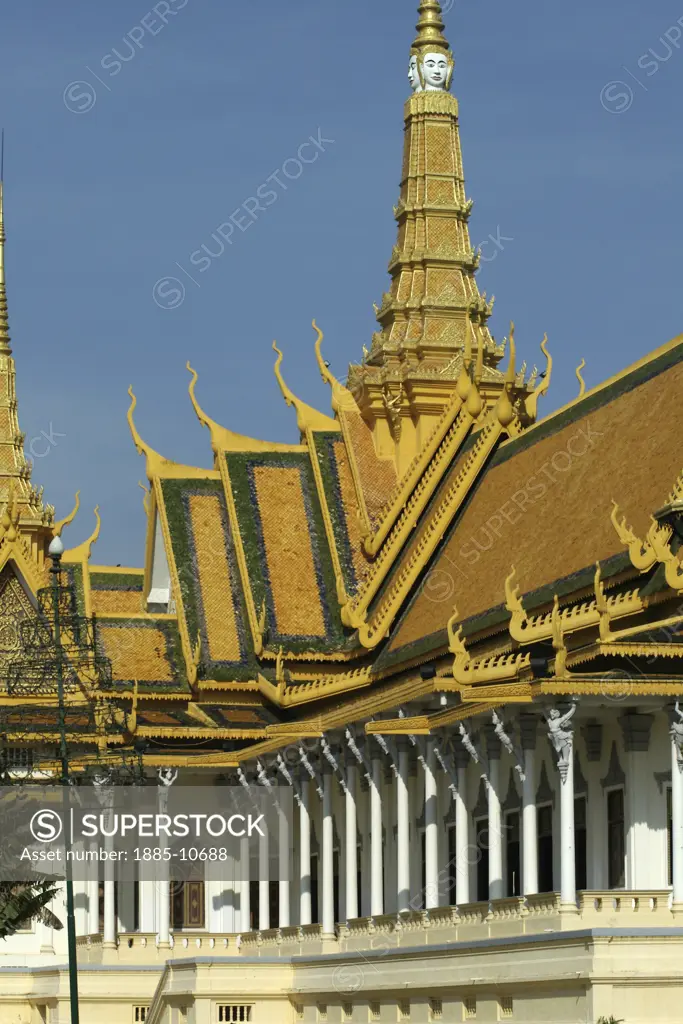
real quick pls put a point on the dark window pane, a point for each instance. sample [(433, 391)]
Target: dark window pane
[(451, 866), (581, 842), (616, 845), (482, 859), (545, 848), (512, 851)]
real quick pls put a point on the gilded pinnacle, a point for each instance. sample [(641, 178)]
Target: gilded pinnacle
[(4, 319), (430, 28)]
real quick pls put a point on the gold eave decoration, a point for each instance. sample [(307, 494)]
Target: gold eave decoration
[(655, 548), (486, 670), (599, 612)]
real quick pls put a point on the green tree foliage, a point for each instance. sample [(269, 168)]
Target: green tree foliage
[(23, 902)]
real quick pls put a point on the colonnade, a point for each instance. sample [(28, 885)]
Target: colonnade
[(330, 778)]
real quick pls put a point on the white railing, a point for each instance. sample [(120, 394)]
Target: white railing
[(515, 915)]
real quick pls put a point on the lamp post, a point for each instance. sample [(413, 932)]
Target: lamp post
[(56, 550)]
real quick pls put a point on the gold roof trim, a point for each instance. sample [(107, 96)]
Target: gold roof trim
[(422, 475), (656, 548), (290, 695), (224, 440), (490, 669), (532, 629), (373, 631)]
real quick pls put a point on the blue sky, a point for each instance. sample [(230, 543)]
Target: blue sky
[(116, 171)]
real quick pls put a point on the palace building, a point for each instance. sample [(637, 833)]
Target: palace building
[(453, 626)]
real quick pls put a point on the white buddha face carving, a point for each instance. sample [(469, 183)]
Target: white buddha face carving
[(414, 75), (435, 67)]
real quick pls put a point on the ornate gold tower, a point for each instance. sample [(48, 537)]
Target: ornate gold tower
[(24, 517), (433, 319)]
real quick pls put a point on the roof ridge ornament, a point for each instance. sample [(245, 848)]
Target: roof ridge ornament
[(59, 526), (222, 438), (504, 409), (531, 404), (579, 377), (82, 552), (307, 418)]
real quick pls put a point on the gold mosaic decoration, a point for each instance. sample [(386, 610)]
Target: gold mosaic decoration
[(288, 551), (136, 652), (214, 577), (116, 602)]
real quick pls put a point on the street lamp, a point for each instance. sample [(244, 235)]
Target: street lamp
[(56, 550)]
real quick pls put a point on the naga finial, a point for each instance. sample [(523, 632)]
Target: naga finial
[(58, 527), (154, 460), (286, 393), (307, 418), (559, 645), (199, 412), (452, 633), (146, 497), (531, 404), (513, 601), (579, 377), (504, 409), (82, 552), (464, 380)]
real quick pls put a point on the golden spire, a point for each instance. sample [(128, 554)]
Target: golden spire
[(4, 319), (430, 28)]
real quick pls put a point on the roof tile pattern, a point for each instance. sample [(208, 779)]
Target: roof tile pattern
[(544, 503)]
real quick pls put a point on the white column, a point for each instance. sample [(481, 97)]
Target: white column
[(351, 860), (245, 886), (109, 932), (376, 861), (562, 739), (677, 826), (284, 860), (263, 883), (528, 724), (462, 834), (403, 829), (642, 869), (567, 845), (304, 854), (327, 858), (147, 912), (431, 830), (495, 822), (93, 891), (167, 777)]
